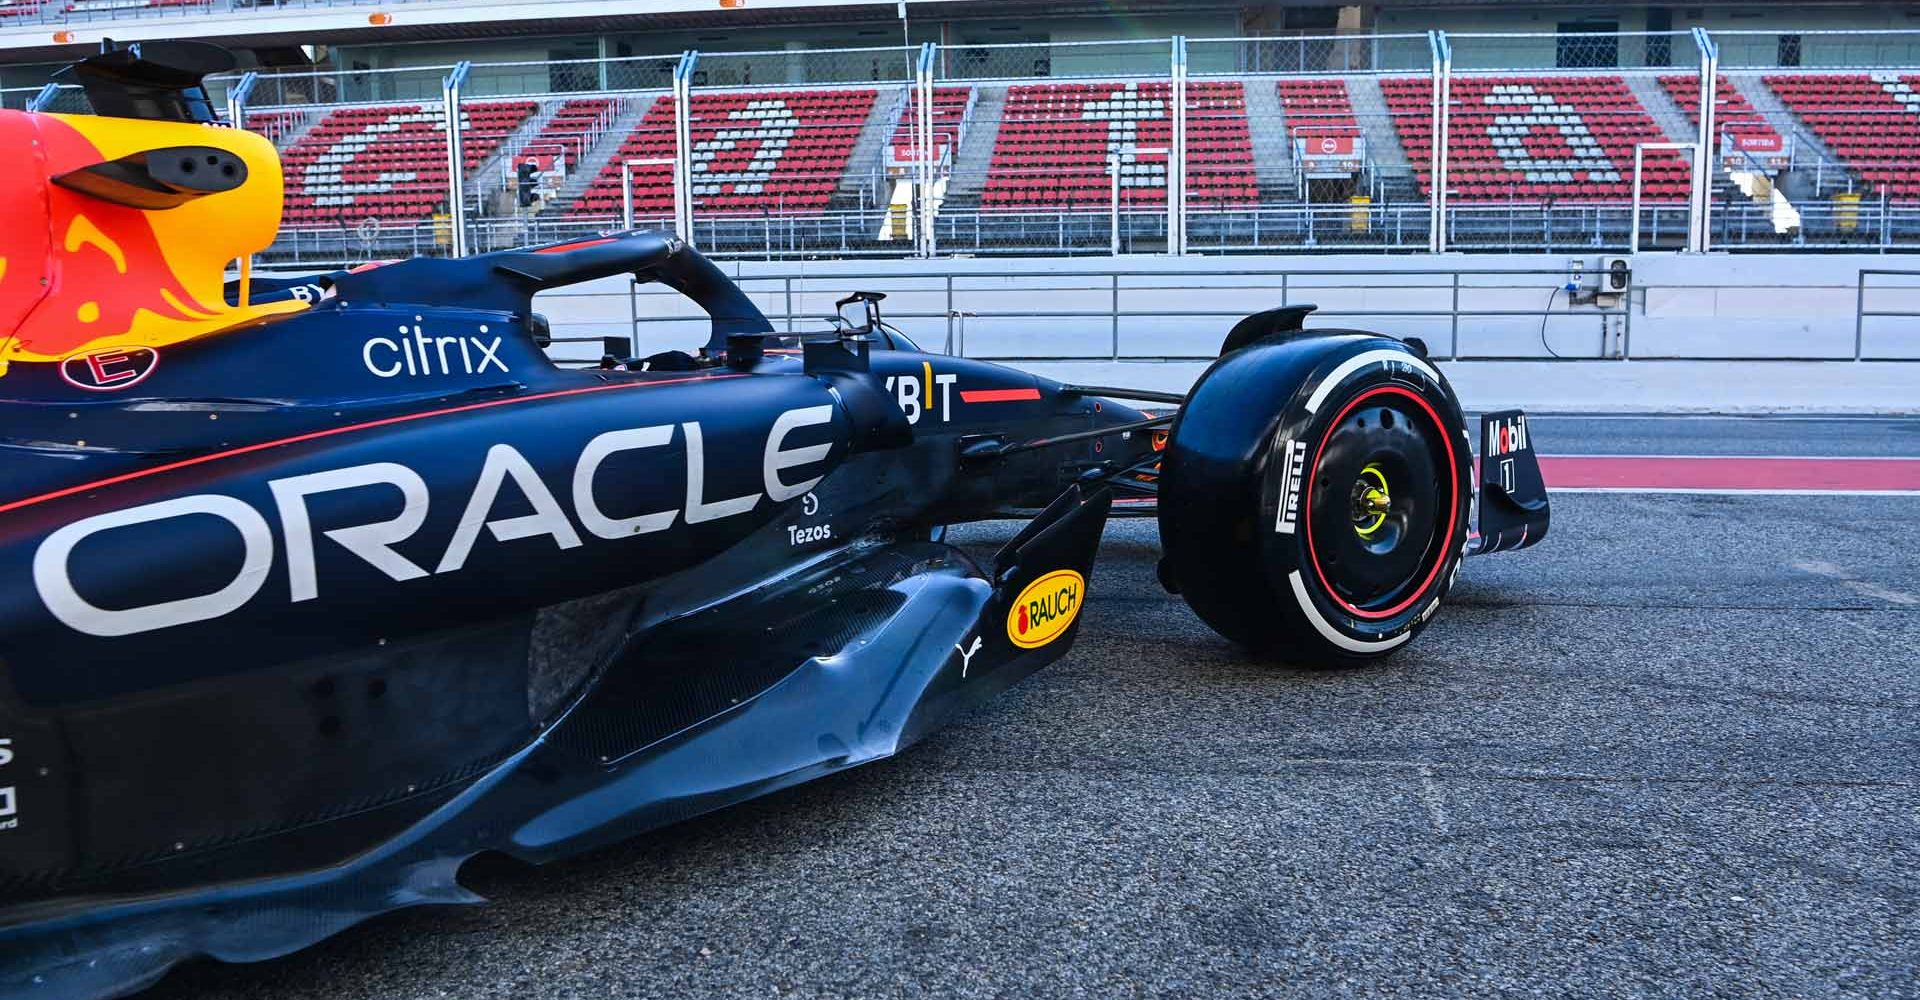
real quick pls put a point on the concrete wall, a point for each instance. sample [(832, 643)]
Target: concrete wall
[(1712, 306)]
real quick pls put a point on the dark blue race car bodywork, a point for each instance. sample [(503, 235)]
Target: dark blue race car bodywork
[(300, 616)]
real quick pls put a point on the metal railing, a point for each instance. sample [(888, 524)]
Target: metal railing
[(1909, 317), (1469, 296), (1170, 314)]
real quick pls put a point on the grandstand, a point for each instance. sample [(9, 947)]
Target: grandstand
[(1297, 142)]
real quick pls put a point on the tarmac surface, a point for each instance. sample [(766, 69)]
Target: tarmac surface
[(1671, 752)]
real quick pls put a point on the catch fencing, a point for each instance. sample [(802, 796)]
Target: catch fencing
[(1588, 142)]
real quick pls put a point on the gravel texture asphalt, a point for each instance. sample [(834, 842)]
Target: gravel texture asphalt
[(1672, 752)]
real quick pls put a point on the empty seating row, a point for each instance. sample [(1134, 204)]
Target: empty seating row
[(1060, 145), (388, 161), (951, 108), (1537, 138), (1869, 120), (1322, 132), (753, 152), (1315, 103)]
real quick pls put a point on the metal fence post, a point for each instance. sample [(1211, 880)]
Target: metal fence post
[(237, 100), (683, 144), (1114, 277), (1177, 156), (922, 96), (1442, 53), (1859, 312), (1453, 339), (456, 159), (1701, 202)]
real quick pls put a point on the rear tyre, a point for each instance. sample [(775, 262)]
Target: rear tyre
[(1315, 497)]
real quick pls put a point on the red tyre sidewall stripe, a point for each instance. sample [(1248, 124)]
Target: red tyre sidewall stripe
[(1453, 501)]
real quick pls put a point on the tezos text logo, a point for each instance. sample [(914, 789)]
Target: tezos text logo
[(110, 370), (1045, 609)]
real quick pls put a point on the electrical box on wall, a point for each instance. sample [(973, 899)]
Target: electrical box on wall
[(1616, 275)]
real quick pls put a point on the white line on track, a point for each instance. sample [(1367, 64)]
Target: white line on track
[(1845, 579)]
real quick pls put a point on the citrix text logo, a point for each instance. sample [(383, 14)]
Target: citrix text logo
[(420, 354), (373, 542)]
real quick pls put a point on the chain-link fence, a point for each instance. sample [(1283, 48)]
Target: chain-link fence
[(64, 99), (1571, 140)]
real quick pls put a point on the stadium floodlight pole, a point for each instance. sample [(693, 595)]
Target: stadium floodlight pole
[(1177, 156), (1700, 204), (1442, 52), (44, 99), (456, 159), (924, 146), (683, 144), (237, 96)]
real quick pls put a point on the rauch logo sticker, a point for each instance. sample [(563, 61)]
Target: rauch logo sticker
[(1045, 609)]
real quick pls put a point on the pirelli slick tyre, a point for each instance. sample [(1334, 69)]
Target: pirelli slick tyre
[(1315, 497)]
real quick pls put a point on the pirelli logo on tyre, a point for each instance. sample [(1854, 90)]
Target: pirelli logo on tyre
[(1045, 609), (1292, 474)]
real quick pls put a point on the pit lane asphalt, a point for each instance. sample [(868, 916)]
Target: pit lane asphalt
[(1672, 753)]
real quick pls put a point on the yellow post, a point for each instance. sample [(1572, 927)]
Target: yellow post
[(1360, 215), (1846, 211)]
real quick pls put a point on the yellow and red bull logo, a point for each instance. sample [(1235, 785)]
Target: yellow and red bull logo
[(1045, 609), (85, 276)]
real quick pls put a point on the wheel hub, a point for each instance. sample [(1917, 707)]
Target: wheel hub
[(1372, 501)]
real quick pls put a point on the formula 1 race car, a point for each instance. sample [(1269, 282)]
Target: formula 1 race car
[(320, 587)]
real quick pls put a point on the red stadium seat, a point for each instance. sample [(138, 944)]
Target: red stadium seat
[(1055, 140), (1537, 138), (781, 152), (387, 162), (1871, 121)]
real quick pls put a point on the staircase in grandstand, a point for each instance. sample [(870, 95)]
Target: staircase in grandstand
[(1748, 148)]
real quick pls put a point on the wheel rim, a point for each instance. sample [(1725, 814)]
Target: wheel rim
[(1381, 502)]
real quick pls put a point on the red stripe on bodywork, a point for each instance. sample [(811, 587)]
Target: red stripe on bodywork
[(332, 431), (571, 247), (1674, 472), (998, 395)]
